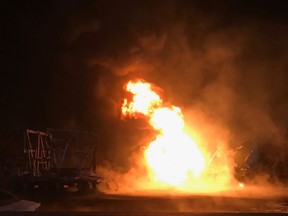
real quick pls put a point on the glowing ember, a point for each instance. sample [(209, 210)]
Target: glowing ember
[(242, 185), (173, 158)]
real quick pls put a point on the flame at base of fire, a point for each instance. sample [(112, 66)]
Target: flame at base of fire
[(139, 181), (172, 160)]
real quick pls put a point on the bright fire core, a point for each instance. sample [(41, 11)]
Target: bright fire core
[(173, 157)]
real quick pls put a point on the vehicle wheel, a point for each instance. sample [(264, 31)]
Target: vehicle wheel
[(84, 187)]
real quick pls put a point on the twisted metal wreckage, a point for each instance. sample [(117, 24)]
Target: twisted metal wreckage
[(65, 159), (54, 159)]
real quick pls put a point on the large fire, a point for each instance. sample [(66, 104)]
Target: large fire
[(173, 157)]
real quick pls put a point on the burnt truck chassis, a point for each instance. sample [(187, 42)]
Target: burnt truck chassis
[(42, 170)]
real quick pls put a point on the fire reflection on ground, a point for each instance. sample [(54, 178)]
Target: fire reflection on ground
[(249, 202)]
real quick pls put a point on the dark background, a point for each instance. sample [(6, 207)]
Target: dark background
[(63, 65)]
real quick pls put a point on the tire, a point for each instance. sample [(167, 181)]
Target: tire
[(84, 187)]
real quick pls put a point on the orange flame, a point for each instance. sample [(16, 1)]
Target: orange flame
[(173, 158)]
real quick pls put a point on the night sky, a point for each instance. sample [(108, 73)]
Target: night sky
[(64, 63)]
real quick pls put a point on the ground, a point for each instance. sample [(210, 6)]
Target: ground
[(128, 204)]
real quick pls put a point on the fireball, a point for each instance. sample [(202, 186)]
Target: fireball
[(173, 157)]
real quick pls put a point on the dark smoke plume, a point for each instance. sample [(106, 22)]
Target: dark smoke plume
[(223, 60)]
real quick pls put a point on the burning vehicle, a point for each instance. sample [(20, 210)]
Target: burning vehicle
[(177, 158), (174, 158)]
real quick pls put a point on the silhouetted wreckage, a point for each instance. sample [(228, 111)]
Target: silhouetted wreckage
[(254, 159), (56, 160)]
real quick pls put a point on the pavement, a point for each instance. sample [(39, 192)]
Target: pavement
[(164, 204)]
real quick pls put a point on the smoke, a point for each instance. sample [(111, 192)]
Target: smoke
[(227, 72)]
